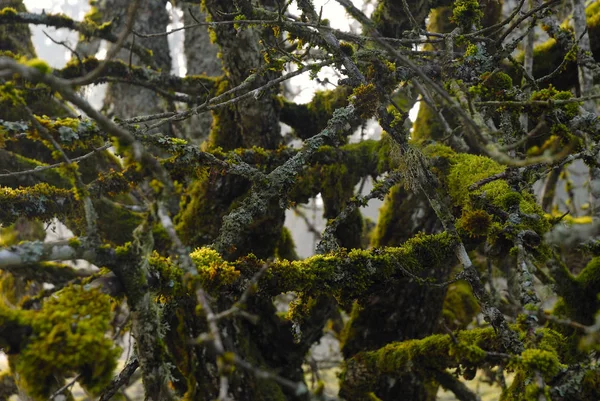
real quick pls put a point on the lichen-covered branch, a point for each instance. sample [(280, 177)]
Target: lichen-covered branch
[(278, 181)]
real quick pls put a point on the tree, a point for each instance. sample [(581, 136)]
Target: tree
[(177, 190)]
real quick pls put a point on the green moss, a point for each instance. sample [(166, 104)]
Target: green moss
[(365, 100), (391, 228), (350, 275), (494, 86), (348, 333), (40, 201), (8, 11), (171, 277), (460, 306), (214, 272), (39, 65), (11, 101), (545, 362), (474, 223), (68, 336), (464, 170), (465, 349), (570, 110), (309, 119), (466, 14), (347, 48), (580, 293), (286, 249), (427, 126), (74, 242), (436, 352), (590, 388)]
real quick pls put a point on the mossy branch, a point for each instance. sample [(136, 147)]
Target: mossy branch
[(193, 85), (436, 353), (47, 272), (86, 28)]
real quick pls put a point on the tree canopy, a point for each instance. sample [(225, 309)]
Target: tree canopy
[(176, 191)]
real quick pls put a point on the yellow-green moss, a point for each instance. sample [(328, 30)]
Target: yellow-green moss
[(286, 249), (464, 170), (545, 362), (570, 110), (68, 338), (214, 271), (467, 13), (494, 86), (39, 201), (8, 11), (467, 349), (460, 306), (365, 100), (427, 125), (39, 65), (349, 275)]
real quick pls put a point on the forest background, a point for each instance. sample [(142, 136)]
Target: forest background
[(473, 268)]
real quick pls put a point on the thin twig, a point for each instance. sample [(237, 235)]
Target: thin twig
[(63, 388), (39, 169), (121, 379)]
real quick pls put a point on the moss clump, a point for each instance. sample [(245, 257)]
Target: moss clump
[(463, 170), (39, 65), (474, 223), (493, 86), (568, 110), (74, 242), (8, 11), (347, 48), (464, 350), (68, 337), (466, 14), (214, 271), (365, 100), (41, 201), (435, 352), (12, 101), (545, 362), (171, 276)]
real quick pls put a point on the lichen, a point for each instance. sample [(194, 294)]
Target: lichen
[(41, 201)]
